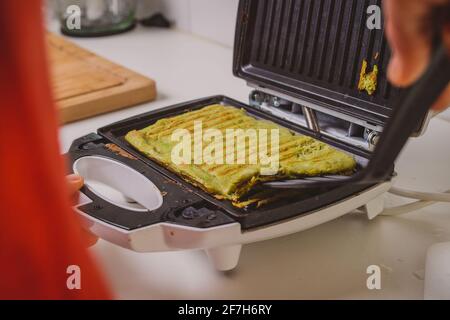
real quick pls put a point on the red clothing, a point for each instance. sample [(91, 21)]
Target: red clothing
[(40, 235)]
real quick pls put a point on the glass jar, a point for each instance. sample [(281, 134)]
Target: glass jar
[(91, 18)]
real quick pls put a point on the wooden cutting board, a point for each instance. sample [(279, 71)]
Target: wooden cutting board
[(85, 84)]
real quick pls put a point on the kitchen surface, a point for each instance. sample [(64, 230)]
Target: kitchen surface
[(327, 262)]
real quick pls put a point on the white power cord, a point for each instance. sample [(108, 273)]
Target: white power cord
[(426, 196), (425, 199)]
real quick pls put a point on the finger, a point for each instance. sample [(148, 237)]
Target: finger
[(409, 38), (444, 101), (74, 182)]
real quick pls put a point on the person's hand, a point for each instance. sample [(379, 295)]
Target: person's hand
[(408, 28), (75, 182)]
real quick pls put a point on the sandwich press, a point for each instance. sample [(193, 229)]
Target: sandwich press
[(304, 60)]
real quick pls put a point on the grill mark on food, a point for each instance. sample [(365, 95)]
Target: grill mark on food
[(186, 124), (283, 148)]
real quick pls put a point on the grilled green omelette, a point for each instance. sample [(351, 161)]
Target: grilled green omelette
[(298, 155)]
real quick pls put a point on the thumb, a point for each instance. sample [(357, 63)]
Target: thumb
[(409, 37), (74, 182)]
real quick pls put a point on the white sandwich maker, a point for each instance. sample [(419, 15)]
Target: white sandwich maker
[(303, 59)]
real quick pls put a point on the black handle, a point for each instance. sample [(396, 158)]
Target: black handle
[(410, 109)]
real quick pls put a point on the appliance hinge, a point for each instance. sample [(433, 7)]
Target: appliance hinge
[(319, 122)]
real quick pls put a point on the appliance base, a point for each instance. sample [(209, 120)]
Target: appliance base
[(223, 244)]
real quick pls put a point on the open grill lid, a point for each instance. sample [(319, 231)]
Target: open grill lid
[(313, 50)]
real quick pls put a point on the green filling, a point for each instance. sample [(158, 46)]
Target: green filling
[(368, 80)]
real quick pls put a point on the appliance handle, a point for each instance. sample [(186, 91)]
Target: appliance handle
[(91, 204), (106, 177), (409, 110)]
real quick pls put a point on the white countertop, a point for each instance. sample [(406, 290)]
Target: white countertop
[(326, 262)]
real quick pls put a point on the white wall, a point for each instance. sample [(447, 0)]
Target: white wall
[(212, 19)]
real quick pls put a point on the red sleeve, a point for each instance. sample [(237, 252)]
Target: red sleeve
[(40, 235)]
